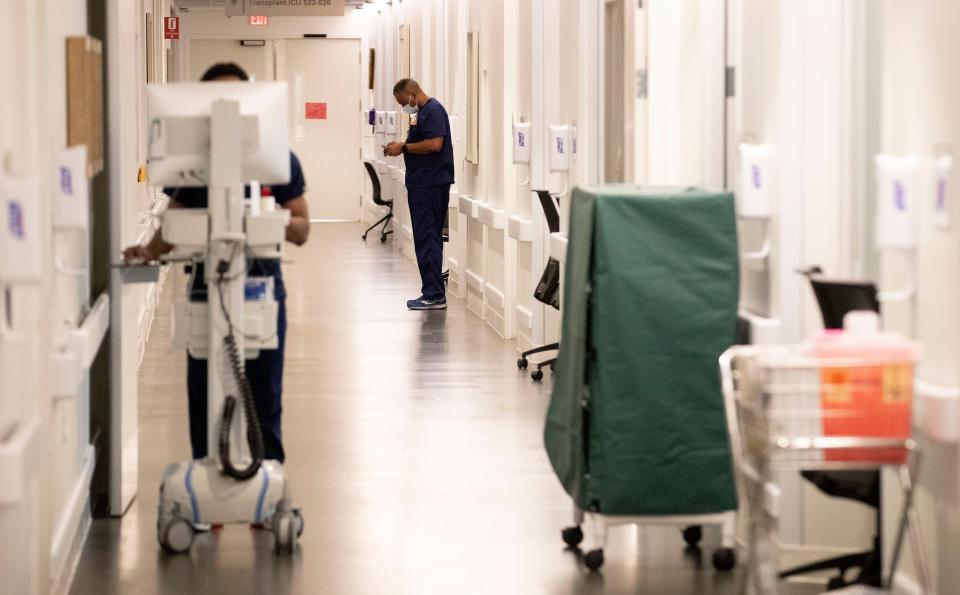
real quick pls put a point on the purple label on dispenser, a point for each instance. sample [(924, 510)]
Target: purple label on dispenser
[(66, 181), (560, 145), (899, 196), (521, 139), (15, 219), (755, 177)]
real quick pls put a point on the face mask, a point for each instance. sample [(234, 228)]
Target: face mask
[(411, 109)]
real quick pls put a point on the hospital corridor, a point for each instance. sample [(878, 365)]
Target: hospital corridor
[(470, 297)]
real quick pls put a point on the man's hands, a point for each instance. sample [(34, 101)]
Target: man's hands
[(393, 149)]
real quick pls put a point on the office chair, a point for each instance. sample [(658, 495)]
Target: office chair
[(835, 299), (552, 214), (377, 199)]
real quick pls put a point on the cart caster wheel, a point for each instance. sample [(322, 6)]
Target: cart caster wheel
[(553, 367), (537, 376), (693, 535), (285, 533), (176, 536), (522, 363), (364, 238), (724, 559), (383, 239), (572, 536), (594, 559), (298, 521)]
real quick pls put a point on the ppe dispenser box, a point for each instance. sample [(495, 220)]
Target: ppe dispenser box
[(19, 231)]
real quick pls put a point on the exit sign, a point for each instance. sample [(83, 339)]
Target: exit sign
[(259, 21)]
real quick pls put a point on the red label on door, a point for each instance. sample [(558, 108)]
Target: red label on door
[(259, 21), (316, 111), (171, 27)]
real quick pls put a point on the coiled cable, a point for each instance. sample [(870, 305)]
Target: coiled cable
[(235, 361)]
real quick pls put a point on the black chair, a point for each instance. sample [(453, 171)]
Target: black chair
[(836, 299), (552, 214), (378, 199)]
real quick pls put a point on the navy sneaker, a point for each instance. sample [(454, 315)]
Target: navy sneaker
[(422, 303)]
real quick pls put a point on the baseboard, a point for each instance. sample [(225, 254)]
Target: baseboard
[(71, 531)]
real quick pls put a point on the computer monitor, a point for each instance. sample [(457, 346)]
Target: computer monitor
[(178, 152)]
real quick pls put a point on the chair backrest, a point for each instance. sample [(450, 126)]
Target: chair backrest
[(836, 298), (375, 181), (550, 210)]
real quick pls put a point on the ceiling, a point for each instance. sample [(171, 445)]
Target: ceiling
[(188, 5)]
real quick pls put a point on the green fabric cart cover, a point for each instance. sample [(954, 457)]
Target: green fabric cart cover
[(636, 422)]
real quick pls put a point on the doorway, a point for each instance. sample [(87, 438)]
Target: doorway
[(325, 118), (257, 61)]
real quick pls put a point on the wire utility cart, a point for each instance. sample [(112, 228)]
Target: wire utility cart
[(788, 408)]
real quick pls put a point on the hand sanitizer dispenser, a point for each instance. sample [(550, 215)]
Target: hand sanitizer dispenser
[(71, 190), (559, 148), (521, 142), (19, 231), (756, 181), (391, 124), (898, 183), (381, 125)]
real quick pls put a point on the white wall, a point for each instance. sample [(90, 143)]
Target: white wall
[(32, 132), (919, 86)]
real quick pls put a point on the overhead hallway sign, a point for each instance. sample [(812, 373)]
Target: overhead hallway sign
[(285, 8)]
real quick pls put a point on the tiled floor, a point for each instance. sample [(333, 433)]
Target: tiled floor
[(414, 448)]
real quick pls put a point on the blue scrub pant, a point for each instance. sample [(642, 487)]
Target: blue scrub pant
[(428, 212), (265, 374)]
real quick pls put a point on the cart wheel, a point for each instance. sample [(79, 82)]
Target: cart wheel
[(537, 376), (594, 559), (285, 533), (175, 536), (724, 559), (364, 238), (572, 536), (522, 363), (383, 239), (553, 367), (298, 521), (693, 535)]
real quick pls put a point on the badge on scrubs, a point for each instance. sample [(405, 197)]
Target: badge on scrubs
[(413, 120)]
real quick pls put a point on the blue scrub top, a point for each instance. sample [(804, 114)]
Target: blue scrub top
[(425, 171)]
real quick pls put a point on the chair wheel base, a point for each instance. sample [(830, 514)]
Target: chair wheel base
[(594, 559), (724, 559)]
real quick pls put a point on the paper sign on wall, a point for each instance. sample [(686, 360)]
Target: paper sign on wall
[(171, 27), (289, 8), (316, 110)]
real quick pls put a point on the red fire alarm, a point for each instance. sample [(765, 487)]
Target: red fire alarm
[(259, 21), (171, 27)]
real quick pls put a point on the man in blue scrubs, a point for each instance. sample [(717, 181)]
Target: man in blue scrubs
[(428, 155), (265, 373)]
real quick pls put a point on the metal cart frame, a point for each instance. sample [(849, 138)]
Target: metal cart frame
[(752, 390)]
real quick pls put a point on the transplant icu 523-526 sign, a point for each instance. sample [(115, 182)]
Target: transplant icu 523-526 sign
[(285, 8)]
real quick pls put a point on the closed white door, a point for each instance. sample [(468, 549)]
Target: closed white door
[(257, 61), (324, 79)]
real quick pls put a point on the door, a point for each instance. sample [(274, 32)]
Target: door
[(256, 60), (324, 79)]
